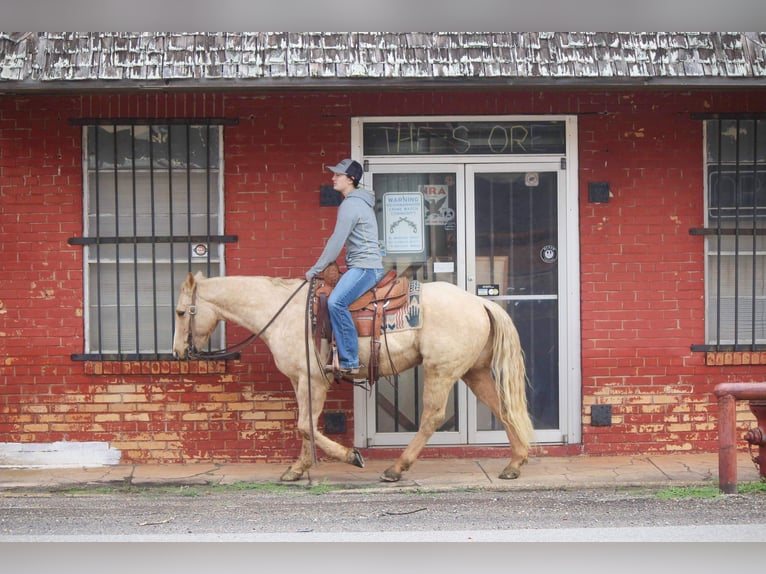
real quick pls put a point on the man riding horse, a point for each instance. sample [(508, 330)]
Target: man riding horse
[(356, 228)]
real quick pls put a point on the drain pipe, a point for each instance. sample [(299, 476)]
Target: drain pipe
[(728, 394)]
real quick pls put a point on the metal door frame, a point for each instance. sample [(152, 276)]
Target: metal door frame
[(570, 413), (548, 436)]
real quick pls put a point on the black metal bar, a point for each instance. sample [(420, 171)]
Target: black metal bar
[(98, 234), (727, 231), (117, 245), (188, 197), (159, 239), (170, 218), (417, 393), (728, 116), (150, 121), (396, 403), (140, 356), (728, 348), (135, 245), (718, 226), (153, 243), (208, 173)]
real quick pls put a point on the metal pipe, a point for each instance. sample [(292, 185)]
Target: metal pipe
[(741, 391), (728, 394), (727, 444)]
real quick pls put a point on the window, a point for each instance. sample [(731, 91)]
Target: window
[(153, 212), (735, 234)]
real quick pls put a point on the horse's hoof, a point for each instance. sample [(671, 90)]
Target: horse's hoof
[(512, 471), (356, 458), (290, 475), (390, 475)]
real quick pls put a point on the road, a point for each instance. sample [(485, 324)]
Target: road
[(210, 514)]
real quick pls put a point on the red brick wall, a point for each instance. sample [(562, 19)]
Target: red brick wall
[(642, 273)]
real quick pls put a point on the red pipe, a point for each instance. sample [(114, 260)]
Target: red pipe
[(742, 391), (728, 394), (727, 444)]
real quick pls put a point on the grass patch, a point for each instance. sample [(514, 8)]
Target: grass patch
[(192, 490), (711, 491)]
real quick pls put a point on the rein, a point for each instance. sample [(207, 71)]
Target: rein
[(195, 354)]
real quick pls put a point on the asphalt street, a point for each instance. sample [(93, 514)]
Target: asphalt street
[(206, 513)]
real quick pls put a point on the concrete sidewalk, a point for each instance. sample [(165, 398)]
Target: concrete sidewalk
[(651, 470)]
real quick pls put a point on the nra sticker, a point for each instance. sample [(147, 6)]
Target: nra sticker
[(549, 254), (199, 250)]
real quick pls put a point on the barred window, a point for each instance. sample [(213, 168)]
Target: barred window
[(153, 203), (735, 234)]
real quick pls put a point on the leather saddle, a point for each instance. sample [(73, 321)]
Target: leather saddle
[(367, 311)]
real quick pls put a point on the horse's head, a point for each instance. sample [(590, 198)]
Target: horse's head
[(195, 319)]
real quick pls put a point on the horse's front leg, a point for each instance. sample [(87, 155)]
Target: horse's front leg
[(435, 395), (308, 421)]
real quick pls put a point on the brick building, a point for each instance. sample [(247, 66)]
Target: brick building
[(607, 189)]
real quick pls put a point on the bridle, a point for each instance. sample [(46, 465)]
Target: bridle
[(193, 353)]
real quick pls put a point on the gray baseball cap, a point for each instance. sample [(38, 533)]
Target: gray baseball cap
[(349, 167)]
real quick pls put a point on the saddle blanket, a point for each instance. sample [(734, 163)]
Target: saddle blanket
[(408, 316)]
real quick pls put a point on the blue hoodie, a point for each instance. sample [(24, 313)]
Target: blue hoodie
[(357, 229)]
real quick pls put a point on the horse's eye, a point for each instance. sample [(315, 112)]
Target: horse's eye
[(180, 314)]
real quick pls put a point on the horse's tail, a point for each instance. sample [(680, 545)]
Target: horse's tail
[(509, 372)]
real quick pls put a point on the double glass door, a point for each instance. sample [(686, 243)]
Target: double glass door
[(492, 229)]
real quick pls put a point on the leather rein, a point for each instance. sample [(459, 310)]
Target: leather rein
[(192, 351)]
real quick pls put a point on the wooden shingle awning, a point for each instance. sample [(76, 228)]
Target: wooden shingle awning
[(332, 60)]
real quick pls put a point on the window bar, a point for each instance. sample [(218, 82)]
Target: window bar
[(170, 217), (416, 391), (154, 245), (117, 234), (98, 237), (737, 194), (455, 409), (718, 238), (135, 233), (396, 404), (188, 198), (753, 298), (189, 212), (208, 174)]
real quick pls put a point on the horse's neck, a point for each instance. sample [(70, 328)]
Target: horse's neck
[(247, 301)]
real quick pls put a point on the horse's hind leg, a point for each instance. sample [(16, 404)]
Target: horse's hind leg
[(483, 386), (308, 420), (435, 395)]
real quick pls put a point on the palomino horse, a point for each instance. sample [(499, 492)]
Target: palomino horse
[(461, 337)]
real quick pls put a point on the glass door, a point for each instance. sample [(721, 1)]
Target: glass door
[(497, 230), (421, 222), (513, 251)]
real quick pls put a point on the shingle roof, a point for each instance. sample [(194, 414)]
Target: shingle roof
[(280, 59)]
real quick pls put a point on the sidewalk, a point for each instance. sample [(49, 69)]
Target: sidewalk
[(651, 470)]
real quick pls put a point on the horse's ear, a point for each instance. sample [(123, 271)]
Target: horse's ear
[(189, 283), (199, 275)]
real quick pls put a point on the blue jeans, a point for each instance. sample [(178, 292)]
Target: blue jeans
[(352, 285)]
